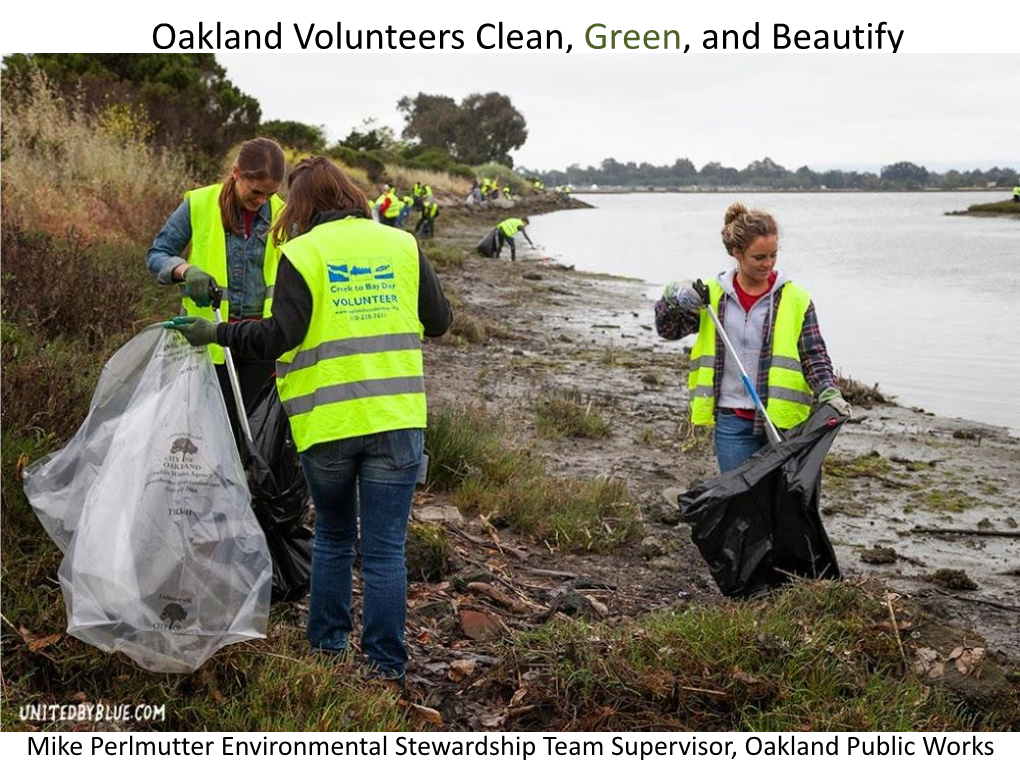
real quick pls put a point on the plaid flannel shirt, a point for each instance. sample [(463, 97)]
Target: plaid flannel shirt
[(673, 323)]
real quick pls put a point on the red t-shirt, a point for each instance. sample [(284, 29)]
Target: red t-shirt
[(249, 218), (747, 301)]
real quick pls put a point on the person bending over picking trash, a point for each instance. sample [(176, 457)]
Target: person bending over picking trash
[(505, 231)]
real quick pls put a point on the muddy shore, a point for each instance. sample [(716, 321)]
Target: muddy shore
[(893, 469)]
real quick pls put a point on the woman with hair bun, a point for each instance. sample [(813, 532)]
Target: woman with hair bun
[(227, 225), (772, 324)]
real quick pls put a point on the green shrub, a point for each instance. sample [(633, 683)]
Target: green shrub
[(368, 161), (506, 176), (421, 158)]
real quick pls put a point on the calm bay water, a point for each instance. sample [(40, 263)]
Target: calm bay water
[(907, 297)]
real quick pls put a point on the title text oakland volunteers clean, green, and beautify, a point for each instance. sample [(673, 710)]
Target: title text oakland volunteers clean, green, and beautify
[(518, 747), (870, 36)]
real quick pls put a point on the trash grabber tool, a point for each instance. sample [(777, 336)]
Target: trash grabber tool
[(770, 429), (216, 296)]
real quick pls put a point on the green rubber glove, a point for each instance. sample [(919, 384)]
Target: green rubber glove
[(197, 285), (196, 330), (834, 398)]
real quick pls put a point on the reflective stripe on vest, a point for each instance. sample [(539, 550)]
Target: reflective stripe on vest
[(701, 378), (359, 368), (789, 395), (209, 252)]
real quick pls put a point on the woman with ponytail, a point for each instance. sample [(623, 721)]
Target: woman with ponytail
[(353, 302), (772, 324), (228, 226)]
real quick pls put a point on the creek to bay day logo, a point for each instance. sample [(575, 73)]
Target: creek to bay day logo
[(365, 270)]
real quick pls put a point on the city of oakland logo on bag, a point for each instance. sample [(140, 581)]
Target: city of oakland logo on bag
[(173, 614), (184, 446)]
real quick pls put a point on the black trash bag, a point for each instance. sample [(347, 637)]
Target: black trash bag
[(758, 524), (489, 245), (279, 494)]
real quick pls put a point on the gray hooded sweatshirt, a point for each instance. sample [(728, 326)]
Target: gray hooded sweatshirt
[(746, 332)]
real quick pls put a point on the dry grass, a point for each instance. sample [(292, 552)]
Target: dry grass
[(65, 170), (404, 179), (357, 175)]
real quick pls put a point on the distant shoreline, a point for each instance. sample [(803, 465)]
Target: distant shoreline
[(757, 190), (1004, 209)]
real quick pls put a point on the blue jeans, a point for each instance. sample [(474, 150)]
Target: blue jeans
[(735, 441), (368, 478)]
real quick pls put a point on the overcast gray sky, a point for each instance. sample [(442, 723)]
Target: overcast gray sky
[(846, 110)]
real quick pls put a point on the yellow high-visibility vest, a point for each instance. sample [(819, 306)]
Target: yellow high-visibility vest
[(209, 252), (359, 368), (789, 395), (510, 226)]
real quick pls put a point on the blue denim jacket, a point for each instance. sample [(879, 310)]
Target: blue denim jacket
[(246, 290)]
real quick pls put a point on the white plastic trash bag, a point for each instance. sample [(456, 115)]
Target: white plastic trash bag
[(164, 559)]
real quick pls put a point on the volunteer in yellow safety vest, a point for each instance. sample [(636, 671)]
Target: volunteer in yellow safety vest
[(420, 192), (388, 204), (426, 227), (227, 225), (505, 231), (772, 324), (1016, 193), (353, 301)]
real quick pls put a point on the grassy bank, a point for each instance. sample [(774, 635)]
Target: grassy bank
[(486, 471), (1006, 207), (817, 656), (83, 195)]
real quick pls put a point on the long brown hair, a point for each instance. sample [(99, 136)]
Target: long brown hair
[(316, 186), (259, 159)]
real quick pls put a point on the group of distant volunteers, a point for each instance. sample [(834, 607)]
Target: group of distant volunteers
[(392, 209), (330, 295)]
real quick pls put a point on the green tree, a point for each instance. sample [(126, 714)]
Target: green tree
[(296, 135), (715, 174), (373, 137), (187, 96), (490, 128), (482, 128), (905, 174), (434, 121)]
